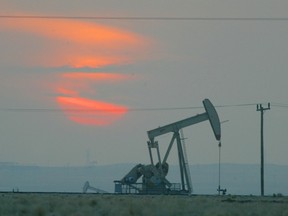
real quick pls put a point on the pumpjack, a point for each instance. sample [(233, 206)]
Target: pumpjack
[(154, 175)]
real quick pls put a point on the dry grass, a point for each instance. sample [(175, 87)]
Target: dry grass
[(19, 204)]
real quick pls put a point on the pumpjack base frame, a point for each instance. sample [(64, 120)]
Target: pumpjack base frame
[(140, 188)]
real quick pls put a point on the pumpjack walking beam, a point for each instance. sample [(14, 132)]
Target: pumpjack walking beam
[(210, 115)]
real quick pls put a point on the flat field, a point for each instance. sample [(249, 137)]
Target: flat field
[(41, 204)]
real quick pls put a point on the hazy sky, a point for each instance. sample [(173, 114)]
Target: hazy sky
[(119, 67)]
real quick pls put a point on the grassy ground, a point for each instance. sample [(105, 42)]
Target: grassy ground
[(19, 204)]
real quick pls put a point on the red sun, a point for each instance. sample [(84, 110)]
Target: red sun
[(91, 112), (80, 45)]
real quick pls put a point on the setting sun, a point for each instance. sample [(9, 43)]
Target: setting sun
[(91, 112), (78, 45), (83, 110)]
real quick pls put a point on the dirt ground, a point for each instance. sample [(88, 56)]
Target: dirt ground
[(54, 204)]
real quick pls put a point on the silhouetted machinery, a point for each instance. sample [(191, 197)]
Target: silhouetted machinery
[(87, 187), (154, 175)]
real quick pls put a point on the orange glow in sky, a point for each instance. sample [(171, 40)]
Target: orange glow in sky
[(91, 112), (78, 61), (74, 31), (79, 83), (95, 76), (80, 44), (83, 110)]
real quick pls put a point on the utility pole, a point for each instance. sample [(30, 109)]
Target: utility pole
[(262, 109)]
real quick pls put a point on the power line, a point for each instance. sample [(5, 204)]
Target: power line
[(236, 105), (144, 18), (92, 110), (129, 109), (282, 105), (132, 109)]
